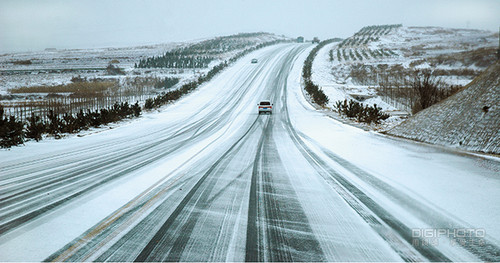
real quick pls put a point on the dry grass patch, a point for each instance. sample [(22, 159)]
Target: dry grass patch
[(77, 87), (480, 57), (22, 62)]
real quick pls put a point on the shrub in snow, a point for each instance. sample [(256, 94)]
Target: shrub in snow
[(316, 93), (367, 114), (53, 126), (136, 109), (149, 104), (114, 70), (430, 90), (11, 131), (35, 127), (69, 124)]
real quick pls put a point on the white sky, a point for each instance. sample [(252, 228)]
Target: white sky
[(35, 24)]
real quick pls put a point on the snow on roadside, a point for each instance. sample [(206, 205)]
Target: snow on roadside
[(343, 89), (457, 185)]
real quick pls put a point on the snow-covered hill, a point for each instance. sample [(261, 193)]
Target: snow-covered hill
[(355, 67), (468, 120)]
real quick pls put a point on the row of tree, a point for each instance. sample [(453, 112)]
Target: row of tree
[(360, 54), (201, 54), (377, 29), (174, 95), (175, 60), (367, 35), (14, 132), (220, 45), (316, 93)]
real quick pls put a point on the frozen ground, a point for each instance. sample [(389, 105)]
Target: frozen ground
[(208, 179)]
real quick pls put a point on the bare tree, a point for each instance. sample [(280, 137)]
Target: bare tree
[(426, 87)]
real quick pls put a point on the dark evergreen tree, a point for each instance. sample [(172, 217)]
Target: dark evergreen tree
[(149, 104), (11, 131), (69, 124), (82, 120), (136, 109), (35, 127), (354, 109), (94, 118), (54, 124)]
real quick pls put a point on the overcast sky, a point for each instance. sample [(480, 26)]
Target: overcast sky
[(35, 24)]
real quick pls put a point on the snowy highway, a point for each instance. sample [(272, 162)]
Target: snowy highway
[(209, 179)]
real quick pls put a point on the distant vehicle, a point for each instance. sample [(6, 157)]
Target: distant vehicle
[(254, 61), (300, 39), (315, 40), (265, 106)]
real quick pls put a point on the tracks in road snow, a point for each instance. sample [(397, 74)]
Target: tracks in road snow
[(234, 199), (28, 192), (203, 129), (275, 216)]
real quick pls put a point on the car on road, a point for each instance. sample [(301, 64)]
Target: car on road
[(265, 106), (254, 61)]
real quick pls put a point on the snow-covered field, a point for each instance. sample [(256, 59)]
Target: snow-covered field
[(55, 67), (59, 66), (208, 179)]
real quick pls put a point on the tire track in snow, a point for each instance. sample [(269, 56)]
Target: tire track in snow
[(32, 201), (235, 99), (277, 227), (171, 250), (478, 246), (86, 246), (161, 242), (393, 231)]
